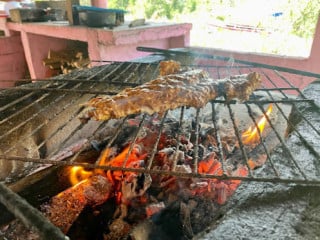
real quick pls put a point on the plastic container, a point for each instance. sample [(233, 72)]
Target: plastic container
[(99, 17)]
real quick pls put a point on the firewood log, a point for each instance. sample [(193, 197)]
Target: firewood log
[(65, 207)]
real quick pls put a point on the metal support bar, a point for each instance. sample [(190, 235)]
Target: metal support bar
[(29, 216)]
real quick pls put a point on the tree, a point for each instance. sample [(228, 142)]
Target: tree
[(300, 16), (305, 20), (156, 8)]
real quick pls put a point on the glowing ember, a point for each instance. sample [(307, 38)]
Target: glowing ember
[(251, 135), (210, 166), (219, 190)]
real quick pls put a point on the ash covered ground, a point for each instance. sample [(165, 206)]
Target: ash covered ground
[(278, 211)]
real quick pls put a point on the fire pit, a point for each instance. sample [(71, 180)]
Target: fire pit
[(168, 175)]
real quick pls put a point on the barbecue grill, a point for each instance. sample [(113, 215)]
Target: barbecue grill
[(41, 128)]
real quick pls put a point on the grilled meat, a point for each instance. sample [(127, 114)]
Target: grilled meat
[(169, 67), (192, 88)]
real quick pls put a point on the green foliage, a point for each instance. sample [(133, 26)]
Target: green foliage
[(157, 8), (300, 15), (160, 8), (221, 18), (122, 4), (305, 20)]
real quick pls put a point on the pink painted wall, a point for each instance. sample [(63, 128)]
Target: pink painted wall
[(99, 3), (12, 61), (36, 49)]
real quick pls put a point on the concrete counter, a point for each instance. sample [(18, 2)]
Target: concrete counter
[(104, 44)]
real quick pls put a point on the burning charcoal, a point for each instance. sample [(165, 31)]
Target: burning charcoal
[(134, 186), (154, 208), (65, 207)]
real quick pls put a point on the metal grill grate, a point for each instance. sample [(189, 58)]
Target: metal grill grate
[(58, 102), (40, 125)]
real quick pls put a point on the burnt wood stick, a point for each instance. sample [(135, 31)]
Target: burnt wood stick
[(65, 207), (30, 216), (191, 88)]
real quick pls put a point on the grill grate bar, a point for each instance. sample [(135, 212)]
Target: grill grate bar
[(236, 130), (196, 143), (112, 78), (218, 138), (293, 100), (283, 143), (61, 144), (30, 216), (15, 102), (134, 140), (20, 99), (179, 132), (294, 128), (261, 140), (307, 121), (18, 112), (155, 146), (123, 72), (226, 59), (41, 125), (84, 147), (38, 113), (117, 133), (162, 172), (289, 83), (76, 114), (301, 100), (54, 90), (115, 75)]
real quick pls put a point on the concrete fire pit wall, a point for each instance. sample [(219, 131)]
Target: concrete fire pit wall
[(12, 60)]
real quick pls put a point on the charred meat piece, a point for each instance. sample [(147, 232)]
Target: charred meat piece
[(192, 88)]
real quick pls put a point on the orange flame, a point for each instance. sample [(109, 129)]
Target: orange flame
[(78, 174), (251, 135), (123, 159)]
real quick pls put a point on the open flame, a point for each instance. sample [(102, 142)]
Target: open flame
[(125, 158), (78, 174), (251, 135), (134, 156)]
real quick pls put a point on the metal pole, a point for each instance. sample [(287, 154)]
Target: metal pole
[(29, 215)]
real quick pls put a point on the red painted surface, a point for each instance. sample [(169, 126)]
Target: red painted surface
[(12, 61)]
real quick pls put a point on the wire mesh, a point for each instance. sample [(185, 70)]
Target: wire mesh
[(43, 117)]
